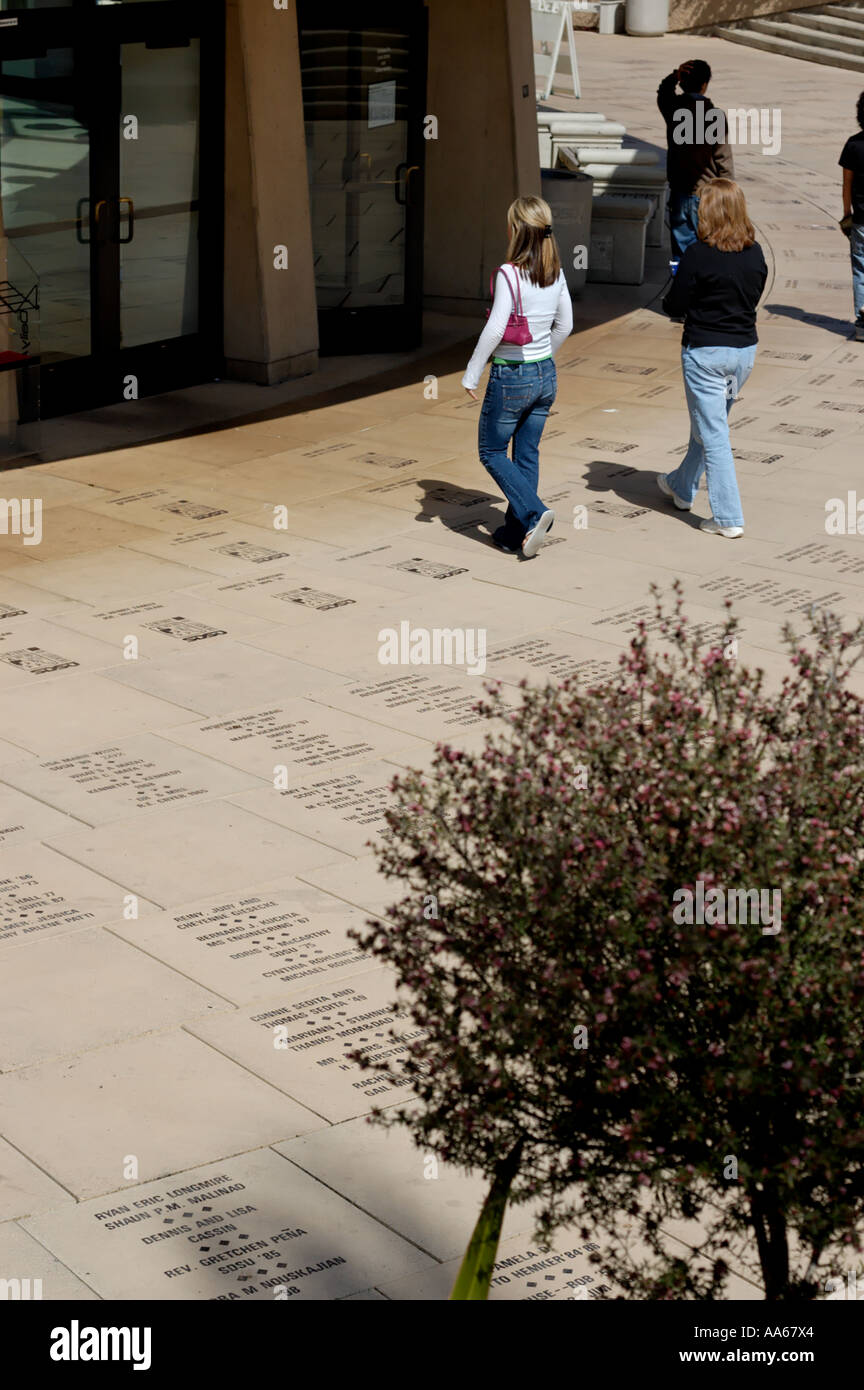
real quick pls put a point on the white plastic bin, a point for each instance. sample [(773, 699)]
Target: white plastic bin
[(647, 18)]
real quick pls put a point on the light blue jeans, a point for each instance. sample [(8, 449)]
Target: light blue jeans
[(856, 248), (713, 376)]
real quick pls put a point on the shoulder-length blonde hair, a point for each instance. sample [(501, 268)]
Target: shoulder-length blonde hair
[(723, 220), (532, 245)]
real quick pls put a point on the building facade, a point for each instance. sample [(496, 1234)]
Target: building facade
[(195, 189)]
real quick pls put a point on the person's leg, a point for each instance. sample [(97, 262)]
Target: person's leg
[(856, 248), (741, 367), (683, 215), (511, 531), (691, 215), (712, 376), (526, 447), (509, 396), (684, 482), (526, 436)]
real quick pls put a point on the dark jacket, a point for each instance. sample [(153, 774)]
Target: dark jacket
[(691, 163), (717, 293)]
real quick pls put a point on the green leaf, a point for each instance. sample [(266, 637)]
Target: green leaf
[(475, 1273)]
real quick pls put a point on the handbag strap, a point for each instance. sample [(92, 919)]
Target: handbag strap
[(516, 298)]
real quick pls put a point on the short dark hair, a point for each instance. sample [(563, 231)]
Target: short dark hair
[(698, 76), (859, 110)]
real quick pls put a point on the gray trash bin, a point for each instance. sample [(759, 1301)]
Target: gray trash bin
[(646, 18), (570, 195)]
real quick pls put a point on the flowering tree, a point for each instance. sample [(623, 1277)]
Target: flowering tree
[(631, 934)]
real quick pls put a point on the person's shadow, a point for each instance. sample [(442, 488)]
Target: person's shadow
[(636, 487), (842, 327), (467, 511)]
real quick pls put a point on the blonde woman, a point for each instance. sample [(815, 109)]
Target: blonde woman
[(718, 286), (522, 379)]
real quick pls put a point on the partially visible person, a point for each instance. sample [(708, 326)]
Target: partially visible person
[(691, 162), (522, 379), (717, 289), (852, 164)]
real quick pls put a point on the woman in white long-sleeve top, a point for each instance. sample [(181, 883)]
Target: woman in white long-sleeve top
[(522, 378)]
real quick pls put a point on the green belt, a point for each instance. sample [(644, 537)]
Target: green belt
[(508, 362)]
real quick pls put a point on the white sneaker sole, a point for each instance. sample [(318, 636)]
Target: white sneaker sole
[(537, 535), (673, 496), (730, 532)]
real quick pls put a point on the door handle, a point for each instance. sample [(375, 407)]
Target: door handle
[(79, 218), (408, 170), (124, 240), (79, 222)]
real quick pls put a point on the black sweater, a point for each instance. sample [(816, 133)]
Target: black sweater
[(716, 293)]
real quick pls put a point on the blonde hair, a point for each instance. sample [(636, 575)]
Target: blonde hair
[(531, 247), (723, 220)]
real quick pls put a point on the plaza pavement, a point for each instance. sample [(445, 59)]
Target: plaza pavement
[(164, 907)]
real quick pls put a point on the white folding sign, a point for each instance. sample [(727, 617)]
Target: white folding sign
[(552, 30)]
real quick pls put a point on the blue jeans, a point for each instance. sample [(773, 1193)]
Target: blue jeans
[(516, 406), (683, 219), (713, 376), (856, 247)]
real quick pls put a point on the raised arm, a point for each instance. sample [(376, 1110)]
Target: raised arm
[(666, 98)]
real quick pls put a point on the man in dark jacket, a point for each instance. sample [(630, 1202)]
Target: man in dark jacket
[(852, 163), (697, 145)]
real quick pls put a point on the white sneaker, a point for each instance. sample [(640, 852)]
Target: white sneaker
[(535, 537), (715, 529), (662, 483)]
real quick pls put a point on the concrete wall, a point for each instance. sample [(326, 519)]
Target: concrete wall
[(480, 87), (480, 68), (701, 14), (271, 326)]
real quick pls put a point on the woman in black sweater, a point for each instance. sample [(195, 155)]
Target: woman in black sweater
[(719, 283)]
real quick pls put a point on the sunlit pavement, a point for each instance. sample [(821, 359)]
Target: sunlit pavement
[(198, 735)]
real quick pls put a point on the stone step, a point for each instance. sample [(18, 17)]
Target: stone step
[(627, 176), (596, 154), (785, 29), (840, 11), (770, 43), (553, 119), (830, 24)]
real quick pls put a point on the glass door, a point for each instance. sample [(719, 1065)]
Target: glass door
[(45, 185), (364, 80), (111, 189), (160, 89)]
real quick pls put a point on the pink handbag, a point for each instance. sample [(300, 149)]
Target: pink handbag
[(517, 330)]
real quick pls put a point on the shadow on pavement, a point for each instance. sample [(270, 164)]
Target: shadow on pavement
[(842, 327)]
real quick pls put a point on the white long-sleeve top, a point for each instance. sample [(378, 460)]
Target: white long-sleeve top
[(549, 312)]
